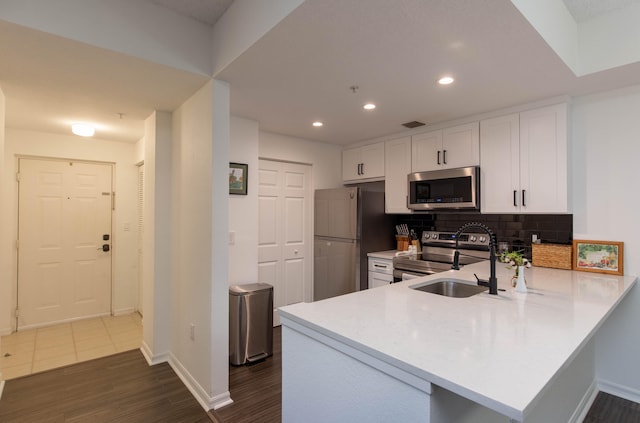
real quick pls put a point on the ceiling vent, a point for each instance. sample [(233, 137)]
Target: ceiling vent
[(413, 124)]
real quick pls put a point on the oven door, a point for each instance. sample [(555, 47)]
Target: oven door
[(400, 275)]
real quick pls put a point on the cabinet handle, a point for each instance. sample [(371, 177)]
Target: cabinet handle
[(362, 168), (359, 172), (444, 156), (438, 156), (524, 204), (515, 198)]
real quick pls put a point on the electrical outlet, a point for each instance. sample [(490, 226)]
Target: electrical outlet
[(192, 332)]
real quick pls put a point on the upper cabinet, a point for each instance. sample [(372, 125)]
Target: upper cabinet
[(458, 146), (397, 165), (524, 162), (363, 163)]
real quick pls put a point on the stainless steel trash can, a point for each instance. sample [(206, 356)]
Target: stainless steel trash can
[(250, 323)]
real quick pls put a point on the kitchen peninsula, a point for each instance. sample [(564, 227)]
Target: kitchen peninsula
[(397, 354)]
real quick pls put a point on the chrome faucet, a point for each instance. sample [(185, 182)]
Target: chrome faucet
[(492, 283)]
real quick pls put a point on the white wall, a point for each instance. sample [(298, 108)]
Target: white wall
[(326, 159), (5, 245), (157, 243), (199, 285), (606, 147), (125, 265), (243, 216)]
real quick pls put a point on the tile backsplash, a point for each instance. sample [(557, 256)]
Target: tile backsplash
[(516, 229)]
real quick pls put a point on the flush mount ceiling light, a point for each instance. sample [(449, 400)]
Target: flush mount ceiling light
[(369, 106), (317, 124), (445, 80), (83, 129)]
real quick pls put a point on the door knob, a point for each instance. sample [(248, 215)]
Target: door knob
[(105, 247)]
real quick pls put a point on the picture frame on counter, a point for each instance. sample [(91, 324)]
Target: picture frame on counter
[(238, 176), (598, 256)]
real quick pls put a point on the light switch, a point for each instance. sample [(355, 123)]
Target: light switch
[(232, 237)]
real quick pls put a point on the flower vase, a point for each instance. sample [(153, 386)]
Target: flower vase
[(521, 284)]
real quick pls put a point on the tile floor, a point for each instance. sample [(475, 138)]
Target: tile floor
[(35, 350)]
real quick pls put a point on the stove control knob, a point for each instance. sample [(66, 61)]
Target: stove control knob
[(482, 239), (426, 236), (472, 238)]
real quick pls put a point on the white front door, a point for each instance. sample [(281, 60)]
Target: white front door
[(284, 245), (64, 220)]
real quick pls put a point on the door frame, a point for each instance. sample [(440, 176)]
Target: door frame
[(19, 157)]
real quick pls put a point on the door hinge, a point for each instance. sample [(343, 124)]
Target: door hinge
[(17, 312), (17, 244), (17, 176)]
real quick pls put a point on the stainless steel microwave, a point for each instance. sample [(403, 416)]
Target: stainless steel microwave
[(444, 189)]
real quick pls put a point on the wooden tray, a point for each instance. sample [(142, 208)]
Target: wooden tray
[(556, 256)]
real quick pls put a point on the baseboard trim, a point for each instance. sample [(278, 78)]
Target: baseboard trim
[(6, 331), (1, 386), (619, 391), (123, 311), (206, 402), (150, 357), (585, 403)]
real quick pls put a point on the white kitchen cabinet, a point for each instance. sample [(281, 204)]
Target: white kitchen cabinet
[(397, 165), (380, 272), (364, 162), (524, 162), (448, 148)]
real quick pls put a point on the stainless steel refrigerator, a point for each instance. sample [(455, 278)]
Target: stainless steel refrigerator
[(349, 223)]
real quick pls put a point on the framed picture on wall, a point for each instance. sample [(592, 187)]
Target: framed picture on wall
[(598, 256), (238, 173)]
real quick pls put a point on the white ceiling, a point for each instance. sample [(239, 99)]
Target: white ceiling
[(583, 10), (301, 71)]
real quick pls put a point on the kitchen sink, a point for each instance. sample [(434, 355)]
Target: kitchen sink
[(450, 288)]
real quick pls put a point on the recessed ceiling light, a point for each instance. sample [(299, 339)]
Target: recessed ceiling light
[(317, 124), (369, 106), (83, 129), (445, 80)]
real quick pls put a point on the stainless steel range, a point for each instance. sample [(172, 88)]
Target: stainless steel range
[(437, 254)]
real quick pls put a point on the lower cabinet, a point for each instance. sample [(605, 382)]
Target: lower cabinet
[(380, 272)]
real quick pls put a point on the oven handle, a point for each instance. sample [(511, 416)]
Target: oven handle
[(404, 275)]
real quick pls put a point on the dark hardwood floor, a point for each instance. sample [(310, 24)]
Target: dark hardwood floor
[(123, 388), (608, 408), (115, 389), (256, 390)]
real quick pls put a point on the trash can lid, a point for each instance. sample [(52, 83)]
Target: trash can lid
[(249, 288)]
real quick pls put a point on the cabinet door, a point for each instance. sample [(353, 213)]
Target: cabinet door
[(351, 164), (543, 160), (372, 161), (426, 151), (397, 158), (461, 146), (379, 279), (500, 164)]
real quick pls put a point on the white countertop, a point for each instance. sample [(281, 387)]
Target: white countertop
[(389, 254), (500, 351)]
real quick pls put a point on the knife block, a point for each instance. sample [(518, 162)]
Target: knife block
[(402, 242)]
